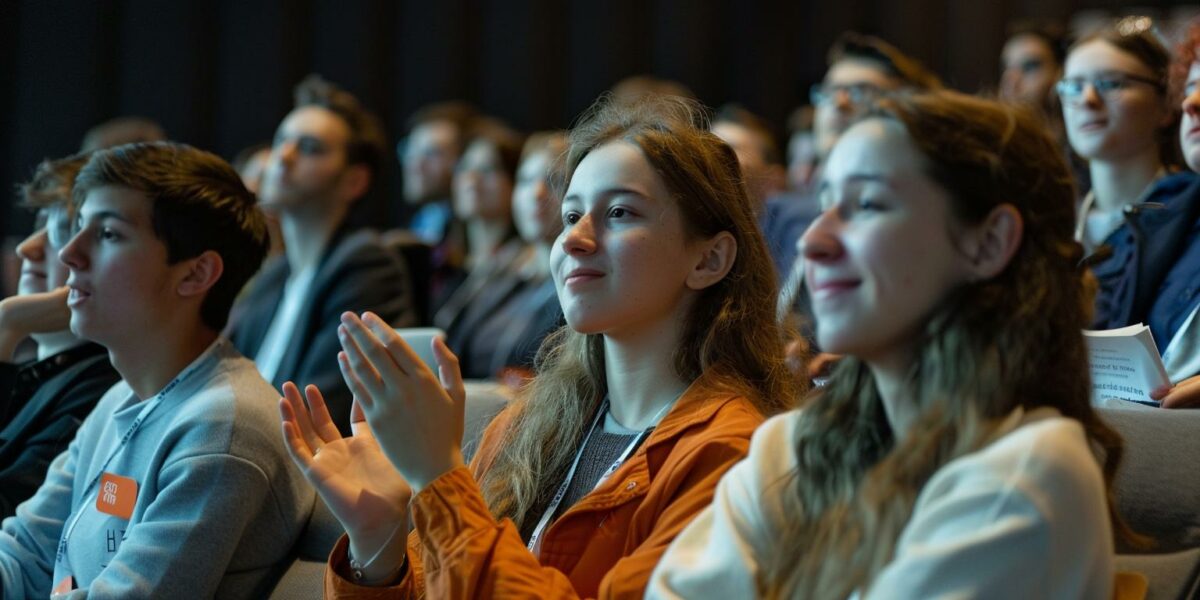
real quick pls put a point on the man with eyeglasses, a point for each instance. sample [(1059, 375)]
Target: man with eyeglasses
[(861, 69), (327, 153), (43, 401)]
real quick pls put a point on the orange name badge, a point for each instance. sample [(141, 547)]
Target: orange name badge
[(117, 495), (64, 587)]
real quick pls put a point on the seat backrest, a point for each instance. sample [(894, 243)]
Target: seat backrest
[(1174, 576), (1158, 484), (418, 257)]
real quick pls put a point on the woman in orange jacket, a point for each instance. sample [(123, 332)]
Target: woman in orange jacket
[(670, 359)]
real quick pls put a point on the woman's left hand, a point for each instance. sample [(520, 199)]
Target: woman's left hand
[(417, 417)]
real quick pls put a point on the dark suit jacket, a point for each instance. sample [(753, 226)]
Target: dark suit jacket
[(356, 274), (44, 423)]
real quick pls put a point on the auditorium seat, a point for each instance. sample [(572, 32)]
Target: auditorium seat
[(1158, 494)]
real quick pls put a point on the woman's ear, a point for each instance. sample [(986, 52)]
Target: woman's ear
[(995, 241), (718, 254), (202, 272)]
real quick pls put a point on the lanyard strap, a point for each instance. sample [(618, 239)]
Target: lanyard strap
[(535, 538), (129, 433)]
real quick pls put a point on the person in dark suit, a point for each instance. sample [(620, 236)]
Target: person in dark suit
[(326, 154), (43, 401)]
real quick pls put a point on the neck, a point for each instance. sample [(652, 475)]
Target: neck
[(484, 237), (641, 376), (1117, 183), (305, 236), (49, 344), (895, 391), (148, 368)]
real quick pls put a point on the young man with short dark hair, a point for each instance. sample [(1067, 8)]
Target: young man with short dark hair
[(327, 153), (177, 484)]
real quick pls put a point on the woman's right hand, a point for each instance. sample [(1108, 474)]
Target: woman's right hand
[(354, 478)]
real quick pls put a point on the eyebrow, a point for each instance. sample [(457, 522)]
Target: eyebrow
[(106, 214), (613, 191), (859, 178)]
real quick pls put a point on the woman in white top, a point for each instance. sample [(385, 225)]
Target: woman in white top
[(951, 452), (1120, 119)]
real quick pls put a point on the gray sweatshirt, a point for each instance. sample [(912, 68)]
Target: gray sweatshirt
[(218, 506)]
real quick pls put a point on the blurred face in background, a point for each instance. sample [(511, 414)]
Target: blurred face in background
[(536, 209), (1189, 127), (1029, 70), (1113, 106), (850, 86), (308, 161), (482, 188), (428, 159)]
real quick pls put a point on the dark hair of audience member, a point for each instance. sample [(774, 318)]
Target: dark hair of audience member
[(1135, 37), (991, 346), (120, 131), (1185, 54), (198, 203), (856, 46), (729, 333), (52, 182), (461, 115), (367, 144), (1048, 32), (739, 115)]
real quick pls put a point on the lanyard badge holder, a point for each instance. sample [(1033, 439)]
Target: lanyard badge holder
[(535, 538), (61, 554)]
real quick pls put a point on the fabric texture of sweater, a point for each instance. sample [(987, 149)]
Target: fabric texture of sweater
[(218, 503), (1024, 517)]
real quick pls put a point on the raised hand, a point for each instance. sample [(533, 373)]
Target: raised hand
[(416, 416), (352, 476)]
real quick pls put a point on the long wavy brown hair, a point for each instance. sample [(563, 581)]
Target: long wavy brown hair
[(729, 333), (989, 347)]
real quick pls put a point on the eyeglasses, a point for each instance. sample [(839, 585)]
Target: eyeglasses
[(1109, 85), (857, 93), (57, 222)]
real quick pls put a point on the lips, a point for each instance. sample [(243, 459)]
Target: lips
[(828, 288), (77, 295), (582, 275), (1093, 125)]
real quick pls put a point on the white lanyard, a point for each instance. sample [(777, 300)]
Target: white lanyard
[(129, 433), (562, 489)]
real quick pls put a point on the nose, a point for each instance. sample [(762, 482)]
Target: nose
[(1191, 103), (580, 238), (820, 242), (74, 254), (841, 100), (33, 248), (284, 152), (1089, 96)]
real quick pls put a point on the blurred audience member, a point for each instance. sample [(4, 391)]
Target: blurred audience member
[(327, 154), (43, 401), (122, 130), (483, 189), (506, 343), (1119, 117)]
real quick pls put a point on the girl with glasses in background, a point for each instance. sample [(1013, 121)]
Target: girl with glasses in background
[(1119, 119)]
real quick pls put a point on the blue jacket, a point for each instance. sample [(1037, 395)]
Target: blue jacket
[(1153, 274)]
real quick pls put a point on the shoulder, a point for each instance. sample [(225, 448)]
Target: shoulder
[(1043, 472)]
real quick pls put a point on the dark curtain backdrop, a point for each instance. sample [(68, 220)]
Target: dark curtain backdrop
[(218, 73)]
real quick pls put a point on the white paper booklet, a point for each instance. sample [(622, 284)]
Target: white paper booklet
[(1125, 364)]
